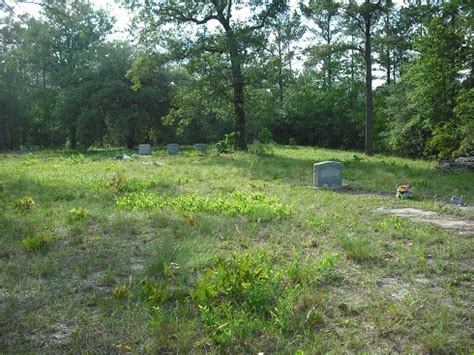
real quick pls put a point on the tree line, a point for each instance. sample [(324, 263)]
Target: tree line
[(298, 73)]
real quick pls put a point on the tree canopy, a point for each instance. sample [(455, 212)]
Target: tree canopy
[(197, 71)]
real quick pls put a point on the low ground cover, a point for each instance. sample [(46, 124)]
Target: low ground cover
[(229, 253)]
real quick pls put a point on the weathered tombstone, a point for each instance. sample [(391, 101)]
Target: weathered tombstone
[(457, 200), (144, 149), (173, 149), (327, 174), (23, 148), (201, 148), (35, 148)]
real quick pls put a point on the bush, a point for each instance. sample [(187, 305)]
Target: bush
[(265, 136), (227, 145)]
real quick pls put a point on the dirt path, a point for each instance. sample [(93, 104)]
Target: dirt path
[(460, 226)]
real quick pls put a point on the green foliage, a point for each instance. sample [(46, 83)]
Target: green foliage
[(24, 204), (37, 242), (255, 205), (78, 214), (243, 278), (227, 145), (326, 268), (139, 201), (316, 287), (358, 249), (119, 181), (261, 148), (464, 112), (76, 159), (241, 296), (121, 292), (265, 136), (421, 108)]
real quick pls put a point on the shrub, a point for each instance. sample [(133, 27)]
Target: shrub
[(227, 145), (265, 136)]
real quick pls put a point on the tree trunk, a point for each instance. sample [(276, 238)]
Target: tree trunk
[(368, 89), (389, 67), (280, 73), (238, 86)]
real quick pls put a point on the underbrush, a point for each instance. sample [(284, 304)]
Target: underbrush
[(239, 300)]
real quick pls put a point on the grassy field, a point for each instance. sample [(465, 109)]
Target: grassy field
[(228, 253)]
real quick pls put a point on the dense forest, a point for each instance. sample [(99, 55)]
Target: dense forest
[(203, 71)]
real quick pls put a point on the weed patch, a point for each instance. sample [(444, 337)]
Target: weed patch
[(78, 214), (24, 204), (119, 182), (255, 205), (244, 296), (37, 242)]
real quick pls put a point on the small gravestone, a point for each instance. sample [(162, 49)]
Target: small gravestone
[(173, 149), (201, 148), (23, 148), (35, 148), (144, 149), (457, 200), (327, 174)]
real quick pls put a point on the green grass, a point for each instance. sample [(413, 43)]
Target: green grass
[(228, 253)]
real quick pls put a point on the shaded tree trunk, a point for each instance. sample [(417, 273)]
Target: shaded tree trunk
[(368, 89), (280, 74), (238, 84)]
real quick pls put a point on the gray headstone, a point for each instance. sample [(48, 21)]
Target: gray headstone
[(173, 149), (328, 174), (35, 148), (201, 148), (144, 149), (457, 200), (23, 148)]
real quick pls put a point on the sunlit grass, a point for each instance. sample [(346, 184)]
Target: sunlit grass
[(227, 253)]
